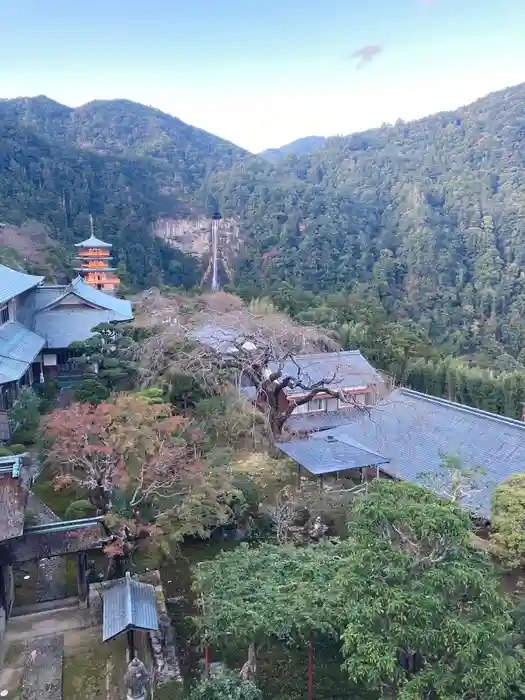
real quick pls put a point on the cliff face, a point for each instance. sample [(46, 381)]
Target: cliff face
[(193, 236)]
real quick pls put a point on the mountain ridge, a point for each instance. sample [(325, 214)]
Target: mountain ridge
[(298, 147)]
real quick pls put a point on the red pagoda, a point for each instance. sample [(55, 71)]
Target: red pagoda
[(95, 265)]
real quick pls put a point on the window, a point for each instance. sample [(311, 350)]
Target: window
[(4, 313), (332, 404), (316, 405)]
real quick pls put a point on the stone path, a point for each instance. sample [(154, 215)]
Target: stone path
[(42, 678)]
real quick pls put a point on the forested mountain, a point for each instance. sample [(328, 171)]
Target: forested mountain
[(299, 147), (427, 216), (60, 186), (121, 162), (122, 127)]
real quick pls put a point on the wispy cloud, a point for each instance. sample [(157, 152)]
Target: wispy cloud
[(366, 54)]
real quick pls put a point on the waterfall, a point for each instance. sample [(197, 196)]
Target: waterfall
[(215, 252)]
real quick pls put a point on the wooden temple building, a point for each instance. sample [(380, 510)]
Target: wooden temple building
[(39, 321)]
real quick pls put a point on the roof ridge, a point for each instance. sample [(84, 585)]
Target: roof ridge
[(328, 354), (460, 407)]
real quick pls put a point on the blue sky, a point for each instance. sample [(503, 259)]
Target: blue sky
[(262, 73)]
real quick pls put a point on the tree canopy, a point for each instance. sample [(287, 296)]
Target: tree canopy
[(418, 612)]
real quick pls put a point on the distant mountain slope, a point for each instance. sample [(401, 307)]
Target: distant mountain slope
[(124, 163), (428, 217), (300, 147), (57, 185), (125, 128)]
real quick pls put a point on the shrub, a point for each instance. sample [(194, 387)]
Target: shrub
[(17, 449), (25, 416), (226, 687), (5, 451), (91, 391), (79, 509)]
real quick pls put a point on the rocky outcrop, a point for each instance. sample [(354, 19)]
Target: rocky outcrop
[(193, 236)]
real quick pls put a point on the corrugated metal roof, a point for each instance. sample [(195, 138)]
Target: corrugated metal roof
[(337, 370), (64, 326), (415, 430), (325, 454), (12, 464), (13, 283), (128, 604), (18, 349), (93, 242)]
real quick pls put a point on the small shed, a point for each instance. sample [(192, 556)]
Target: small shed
[(323, 454), (128, 605)]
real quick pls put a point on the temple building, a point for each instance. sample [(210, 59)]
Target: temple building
[(95, 269), (39, 321)]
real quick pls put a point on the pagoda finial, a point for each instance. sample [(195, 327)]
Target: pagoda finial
[(91, 225)]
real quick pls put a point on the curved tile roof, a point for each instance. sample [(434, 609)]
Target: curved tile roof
[(13, 283)]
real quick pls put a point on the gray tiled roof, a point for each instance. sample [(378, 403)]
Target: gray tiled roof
[(18, 348), (415, 430), (61, 327), (47, 294), (121, 308), (341, 370), (128, 604), (326, 454), (13, 283), (320, 420), (93, 242)]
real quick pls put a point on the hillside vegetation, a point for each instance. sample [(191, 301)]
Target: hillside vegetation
[(427, 216), (121, 162)]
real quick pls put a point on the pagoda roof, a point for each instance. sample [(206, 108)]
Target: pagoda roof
[(94, 269), (93, 242)]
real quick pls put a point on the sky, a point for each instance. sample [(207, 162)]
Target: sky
[(262, 73)]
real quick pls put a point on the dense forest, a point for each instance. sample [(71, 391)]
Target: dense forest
[(122, 163), (425, 218)]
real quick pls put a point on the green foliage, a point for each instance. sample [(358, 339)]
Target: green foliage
[(17, 449), (153, 395), (225, 687), (90, 390), (79, 509), (417, 611), (431, 616), (508, 508), (25, 416), (111, 348), (185, 391), (253, 594), (5, 451)]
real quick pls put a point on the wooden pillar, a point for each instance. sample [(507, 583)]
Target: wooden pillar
[(131, 644), (82, 584), (298, 476)]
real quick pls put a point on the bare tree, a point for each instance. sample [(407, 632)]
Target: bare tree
[(229, 349)]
